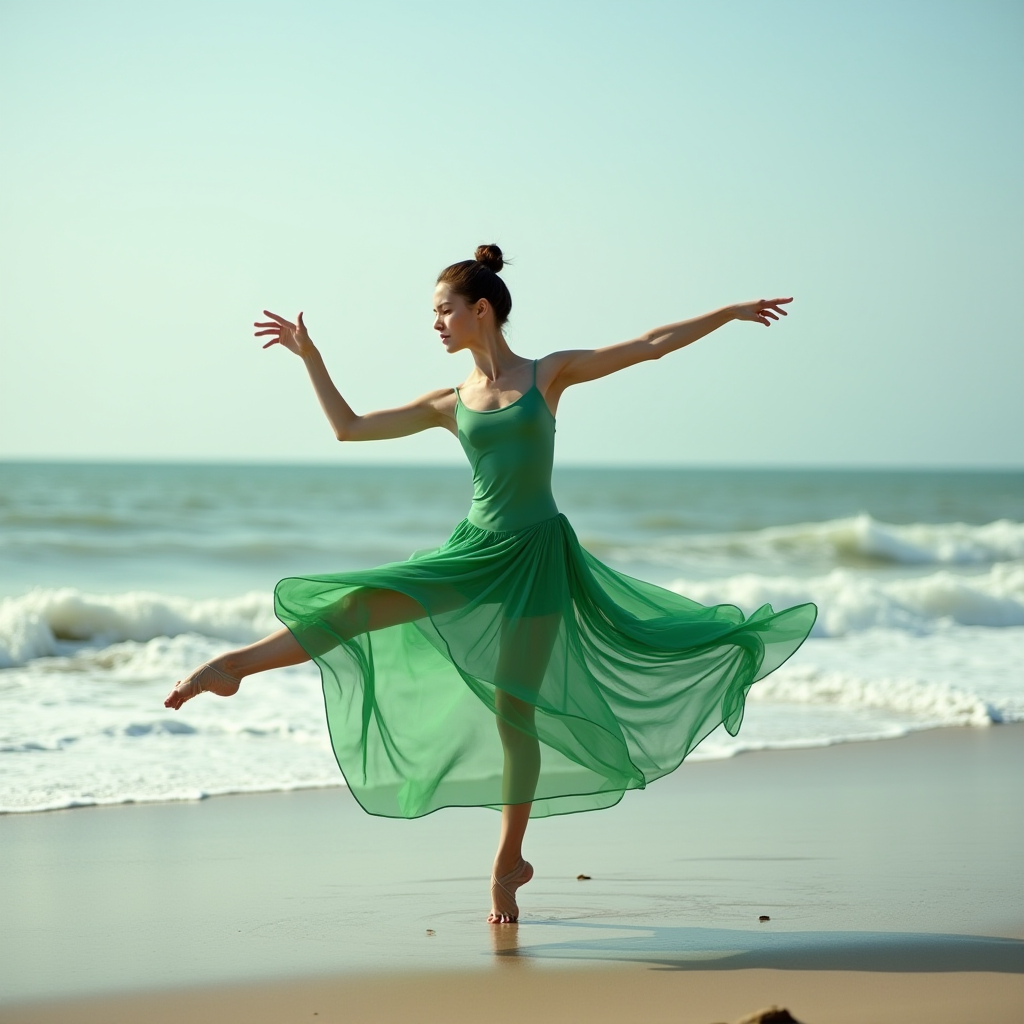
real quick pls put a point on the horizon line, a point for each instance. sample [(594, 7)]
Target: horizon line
[(852, 467)]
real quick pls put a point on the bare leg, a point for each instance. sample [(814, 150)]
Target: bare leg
[(358, 612), (526, 650), (223, 674)]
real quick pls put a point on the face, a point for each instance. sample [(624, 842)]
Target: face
[(456, 320)]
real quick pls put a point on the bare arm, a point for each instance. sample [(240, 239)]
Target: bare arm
[(430, 410), (563, 369)]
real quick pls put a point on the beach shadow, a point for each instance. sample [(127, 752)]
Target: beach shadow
[(729, 949)]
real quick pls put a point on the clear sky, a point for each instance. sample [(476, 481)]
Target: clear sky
[(170, 169)]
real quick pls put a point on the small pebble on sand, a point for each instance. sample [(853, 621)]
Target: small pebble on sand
[(430, 931), (763, 918)]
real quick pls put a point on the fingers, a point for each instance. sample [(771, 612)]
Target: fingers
[(768, 310), (276, 327), (278, 319), (271, 328)]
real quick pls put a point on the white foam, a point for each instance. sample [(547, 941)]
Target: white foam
[(926, 543), (930, 703), (91, 729), (86, 725), (854, 540), (32, 625), (849, 601)]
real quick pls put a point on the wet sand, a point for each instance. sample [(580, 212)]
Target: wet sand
[(892, 872)]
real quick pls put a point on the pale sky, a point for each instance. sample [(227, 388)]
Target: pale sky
[(170, 169)]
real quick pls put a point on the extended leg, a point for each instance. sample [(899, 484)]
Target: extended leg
[(358, 612)]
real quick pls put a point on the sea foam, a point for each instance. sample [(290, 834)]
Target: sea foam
[(849, 602), (32, 625), (929, 703), (39, 624), (855, 540)]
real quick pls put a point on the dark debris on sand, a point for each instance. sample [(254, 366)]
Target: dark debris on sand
[(773, 1015)]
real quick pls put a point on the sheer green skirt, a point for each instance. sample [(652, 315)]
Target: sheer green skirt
[(510, 667)]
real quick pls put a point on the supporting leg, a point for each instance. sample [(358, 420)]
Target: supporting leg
[(525, 652)]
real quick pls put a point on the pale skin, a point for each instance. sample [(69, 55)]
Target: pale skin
[(498, 378)]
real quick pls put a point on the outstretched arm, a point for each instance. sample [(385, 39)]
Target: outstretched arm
[(564, 369), (427, 411)]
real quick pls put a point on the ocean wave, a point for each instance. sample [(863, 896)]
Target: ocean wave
[(857, 540), (929, 703), (46, 623), (34, 624), (848, 602)]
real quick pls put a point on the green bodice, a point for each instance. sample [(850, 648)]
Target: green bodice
[(511, 451)]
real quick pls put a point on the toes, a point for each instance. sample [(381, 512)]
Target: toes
[(174, 699), (496, 918)]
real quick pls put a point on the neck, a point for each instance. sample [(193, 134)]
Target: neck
[(493, 357)]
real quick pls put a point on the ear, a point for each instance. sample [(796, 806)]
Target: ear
[(480, 308)]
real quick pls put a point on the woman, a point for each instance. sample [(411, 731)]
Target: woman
[(508, 667)]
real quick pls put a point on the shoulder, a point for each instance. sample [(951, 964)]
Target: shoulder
[(437, 398), (440, 403), (553, 365)]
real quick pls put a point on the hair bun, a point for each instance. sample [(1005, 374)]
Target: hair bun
[(490, 256)]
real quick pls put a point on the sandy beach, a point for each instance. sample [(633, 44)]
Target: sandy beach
[(892, 873)]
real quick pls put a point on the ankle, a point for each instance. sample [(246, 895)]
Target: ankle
[(228, 665), (504, 863)]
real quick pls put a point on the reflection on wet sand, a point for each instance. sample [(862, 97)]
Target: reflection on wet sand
[(505, 944)]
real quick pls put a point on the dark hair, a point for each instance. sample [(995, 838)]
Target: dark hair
[(477, 279)]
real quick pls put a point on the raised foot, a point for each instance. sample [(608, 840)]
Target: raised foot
[(207, 678), (504, 909)]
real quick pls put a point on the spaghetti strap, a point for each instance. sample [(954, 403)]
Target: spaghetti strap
[(534, 373)]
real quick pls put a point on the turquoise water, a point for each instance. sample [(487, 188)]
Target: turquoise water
[(115, 579), (216, 530)]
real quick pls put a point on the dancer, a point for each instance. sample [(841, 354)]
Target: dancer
[(508, 668)]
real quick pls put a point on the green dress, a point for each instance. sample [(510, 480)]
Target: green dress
[(510, 665)]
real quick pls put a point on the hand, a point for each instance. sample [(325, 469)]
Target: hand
[(293, 337), (763, 311)]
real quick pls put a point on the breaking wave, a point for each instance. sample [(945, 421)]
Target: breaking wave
[(848, 602), (858, 540), (35, 624)]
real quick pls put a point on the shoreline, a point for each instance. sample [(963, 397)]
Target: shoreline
[(795, 747), (894, 861)]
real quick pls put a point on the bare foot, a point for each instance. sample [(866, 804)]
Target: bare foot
[(504, 909), (207, 677)]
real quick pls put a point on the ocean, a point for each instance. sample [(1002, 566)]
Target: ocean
[(116, 579)]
